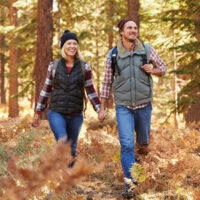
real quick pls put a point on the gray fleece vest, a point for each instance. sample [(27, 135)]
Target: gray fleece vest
[(133, 86), (67, 96)]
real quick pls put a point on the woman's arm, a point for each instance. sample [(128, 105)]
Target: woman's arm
[(44, 94), (89, 86)]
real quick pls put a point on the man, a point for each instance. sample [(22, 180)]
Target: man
[(132, 87)]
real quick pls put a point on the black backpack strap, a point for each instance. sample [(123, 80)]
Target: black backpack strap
[(114, 64), (146, 61), (144, 57), (83, 68), (82, 63), (55, 65)]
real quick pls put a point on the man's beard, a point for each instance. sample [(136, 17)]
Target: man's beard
[(130, 40)]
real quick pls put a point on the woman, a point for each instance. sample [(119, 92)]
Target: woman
[(66, 86)]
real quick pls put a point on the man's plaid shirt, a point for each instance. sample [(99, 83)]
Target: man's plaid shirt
[(154, 59), (47, 89)]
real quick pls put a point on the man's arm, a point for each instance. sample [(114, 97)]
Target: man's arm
[(103, 103), (153, 71), (106, 88), (159, 67)]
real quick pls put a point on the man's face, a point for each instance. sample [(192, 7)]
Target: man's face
[(130, 31)]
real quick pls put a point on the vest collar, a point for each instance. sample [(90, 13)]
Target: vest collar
[(122, 52), (76, 62)]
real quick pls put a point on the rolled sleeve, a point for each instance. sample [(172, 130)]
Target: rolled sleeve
[(157, 61), (108, 78)]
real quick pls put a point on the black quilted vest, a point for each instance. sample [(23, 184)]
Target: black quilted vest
[(67, 96)]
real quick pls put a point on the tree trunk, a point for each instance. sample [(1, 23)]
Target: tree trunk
[(59, 21), (97, 65), (193, 114), (197, 18), (43, 46), (110, 13), (13, 81), (175, 93), (133, 11), (2, 60), (3, 94)]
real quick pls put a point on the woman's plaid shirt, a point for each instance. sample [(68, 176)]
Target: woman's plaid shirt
[(154, 59), (47, 89)]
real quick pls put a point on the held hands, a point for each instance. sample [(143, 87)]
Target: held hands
[(36, 120), (102, 115)]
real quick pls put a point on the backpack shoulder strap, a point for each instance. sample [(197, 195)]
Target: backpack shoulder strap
[(147, 49), (55, 65), (146, 57), (114, 65), (114, 52), (84, 92), (83, 67)]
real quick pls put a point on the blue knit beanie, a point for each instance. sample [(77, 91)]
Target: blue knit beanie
[(67, 36)]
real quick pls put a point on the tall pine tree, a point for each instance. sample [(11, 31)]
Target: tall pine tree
[(13, 80), (44, 45)]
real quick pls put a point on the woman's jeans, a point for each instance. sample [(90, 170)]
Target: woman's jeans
[(66, 126), (127, 121)]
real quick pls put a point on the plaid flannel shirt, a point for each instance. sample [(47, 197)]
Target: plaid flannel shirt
[(47, 89), (154, 59)]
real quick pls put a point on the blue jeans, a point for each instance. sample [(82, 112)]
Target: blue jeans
[(66, 126), (127, 121)]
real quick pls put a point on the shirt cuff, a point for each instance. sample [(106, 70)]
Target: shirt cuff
[(97, 108), (104, 96), (37, 112)]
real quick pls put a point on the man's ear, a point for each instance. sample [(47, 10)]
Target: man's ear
[(120, 32)]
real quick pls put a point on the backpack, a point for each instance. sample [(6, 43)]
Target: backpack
[(114, 64), (55, 65)]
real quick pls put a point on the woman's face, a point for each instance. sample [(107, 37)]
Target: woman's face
[(71, 47)]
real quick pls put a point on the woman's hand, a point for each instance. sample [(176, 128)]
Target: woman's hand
[(102, 115), (36, 120)]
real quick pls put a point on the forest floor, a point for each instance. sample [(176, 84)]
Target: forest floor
[(33, 166)]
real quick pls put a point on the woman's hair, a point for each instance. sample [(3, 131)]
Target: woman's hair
[(77, 55)]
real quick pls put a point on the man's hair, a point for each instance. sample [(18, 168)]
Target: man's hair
[(122, 22)]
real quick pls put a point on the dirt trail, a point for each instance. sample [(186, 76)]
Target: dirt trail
[(172, 162)]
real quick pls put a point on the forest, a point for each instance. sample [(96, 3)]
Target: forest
[(33, 164)]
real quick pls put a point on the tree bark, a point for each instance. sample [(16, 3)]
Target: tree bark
[(13, 81), (193, 114), (197, 18), (174, 88), (110, 13), (2, 60), (133, 11), (43, 46), (97, 64), (59, 21)]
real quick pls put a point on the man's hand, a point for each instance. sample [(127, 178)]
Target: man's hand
[(102, 113), (36, 120), (147, 68), (150, 70)]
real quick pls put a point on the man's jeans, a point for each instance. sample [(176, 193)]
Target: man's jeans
[(66, 126), (127, 121)]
